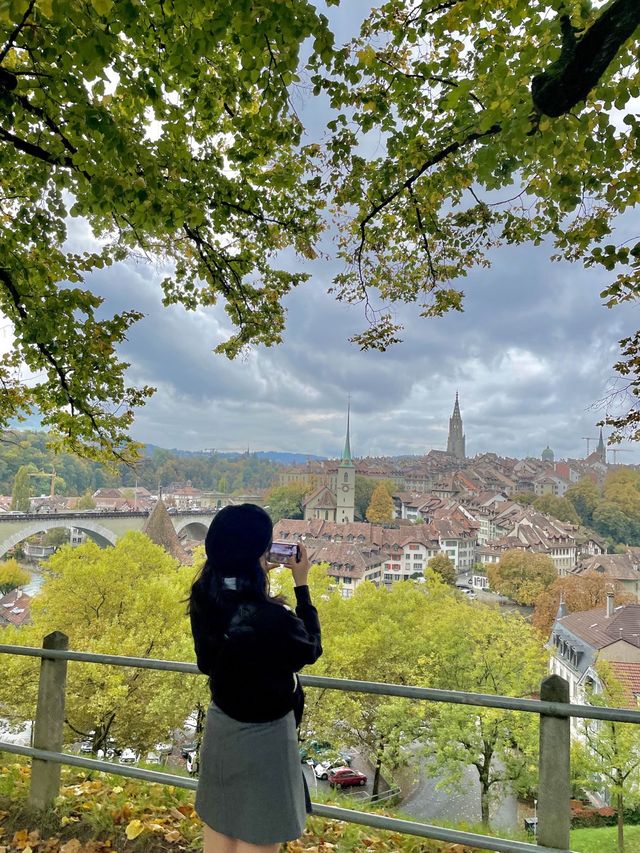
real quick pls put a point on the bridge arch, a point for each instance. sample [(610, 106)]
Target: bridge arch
[(100, 534), (193, 529)]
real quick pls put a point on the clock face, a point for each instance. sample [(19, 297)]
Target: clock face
[(345, 487)]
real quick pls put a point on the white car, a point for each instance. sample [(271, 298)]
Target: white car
[(323, 769), (128, 756)]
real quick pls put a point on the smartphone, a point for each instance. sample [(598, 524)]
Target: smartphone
[(283, 552)]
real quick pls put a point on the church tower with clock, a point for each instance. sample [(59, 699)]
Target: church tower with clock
[(346, 484)]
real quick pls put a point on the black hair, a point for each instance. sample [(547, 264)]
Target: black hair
[(232, 575)]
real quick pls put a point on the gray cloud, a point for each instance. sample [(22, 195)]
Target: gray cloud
[(530, 354)]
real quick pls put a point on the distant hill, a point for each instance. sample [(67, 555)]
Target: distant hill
[(281, 456)]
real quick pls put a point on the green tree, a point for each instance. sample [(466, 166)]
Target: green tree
[(557, 507), (365, 487), (227, 160), (86, 501), (524, 498), (610, 753), (21, 490), (622, 488), (286, 501), (521, 575), (380, 509), (12, 576), (584, 495), (443, 566), (501, 654), (610, 521), (125, 599), (57, 536), (375, 635)]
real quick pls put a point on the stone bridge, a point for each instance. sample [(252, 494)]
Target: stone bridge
[(103, 527)]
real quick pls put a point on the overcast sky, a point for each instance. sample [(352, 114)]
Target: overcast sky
[(530, 356)]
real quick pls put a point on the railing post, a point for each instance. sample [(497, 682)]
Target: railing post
[(47, 731), (554, 788)]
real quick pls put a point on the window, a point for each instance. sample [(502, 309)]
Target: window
[(346, 580), (346, 476), (387, 577)]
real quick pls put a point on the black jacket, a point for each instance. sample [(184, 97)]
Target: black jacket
[(251, 671)]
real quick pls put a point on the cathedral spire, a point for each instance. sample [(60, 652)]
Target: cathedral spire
[(456, 439), (601, 448)]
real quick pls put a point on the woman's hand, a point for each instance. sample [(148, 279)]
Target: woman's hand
[(300, 568)]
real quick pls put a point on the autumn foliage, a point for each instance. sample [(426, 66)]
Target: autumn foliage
[(579, 593)]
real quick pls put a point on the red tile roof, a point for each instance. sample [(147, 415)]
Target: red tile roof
[(15, 608), (628, 674)]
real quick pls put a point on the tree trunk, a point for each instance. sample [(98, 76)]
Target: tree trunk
[(620, 807), (484, 803), (376, 778)]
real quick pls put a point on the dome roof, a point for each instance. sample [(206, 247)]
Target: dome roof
[(547, 454)]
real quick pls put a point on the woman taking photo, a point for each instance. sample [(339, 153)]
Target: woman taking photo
[(251, 792)]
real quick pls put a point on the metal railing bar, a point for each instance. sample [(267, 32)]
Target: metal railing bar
[(103, 766), (113, 660), (426, 830), (406, 827), (432, 694)]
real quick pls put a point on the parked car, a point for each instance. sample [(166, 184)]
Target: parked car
[(331, 762), (314, 750), (187, 748), (323, 768), (86, 746), (345, 777), (128, 756)]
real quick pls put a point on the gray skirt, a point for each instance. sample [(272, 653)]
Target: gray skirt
[(251, 784)]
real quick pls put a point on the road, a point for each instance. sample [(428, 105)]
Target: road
[(428, 803)]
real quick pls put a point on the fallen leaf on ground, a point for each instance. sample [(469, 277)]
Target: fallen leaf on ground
[(20, 839), (134, 829), (71, 846), (172, 836)]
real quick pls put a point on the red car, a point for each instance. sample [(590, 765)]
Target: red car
[(345, 777)]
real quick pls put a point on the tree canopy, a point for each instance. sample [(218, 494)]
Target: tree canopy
[(287, 501), (521, 575), (124, 599), (380, 509), (579, 592), (443, 566), (12, 576), (172, 130), (608, 754)]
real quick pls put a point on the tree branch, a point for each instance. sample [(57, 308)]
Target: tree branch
[(436, 158), (16, 31), (583, 61)]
